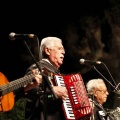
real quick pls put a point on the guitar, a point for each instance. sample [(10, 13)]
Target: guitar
[(7, 88)]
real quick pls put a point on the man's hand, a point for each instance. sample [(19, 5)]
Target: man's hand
[(37, 80), (61, 92)]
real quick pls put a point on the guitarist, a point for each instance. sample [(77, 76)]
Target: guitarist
[(43, 103)]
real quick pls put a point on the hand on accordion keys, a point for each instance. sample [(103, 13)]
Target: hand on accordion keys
[(61, 92)]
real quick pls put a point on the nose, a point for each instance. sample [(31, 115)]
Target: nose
[(63, 51), (107, 92)]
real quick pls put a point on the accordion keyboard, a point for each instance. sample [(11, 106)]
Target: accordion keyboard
[(66, 103)]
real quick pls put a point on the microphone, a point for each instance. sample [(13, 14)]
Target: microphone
[(83, 61), (14, 36)]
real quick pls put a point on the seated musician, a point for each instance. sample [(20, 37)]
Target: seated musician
[(98, 91), (52, 55)]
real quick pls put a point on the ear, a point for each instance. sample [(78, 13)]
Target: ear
[(47, 51), (95, 93)]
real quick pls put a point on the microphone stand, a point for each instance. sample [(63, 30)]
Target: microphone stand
[(92, 66), (116, 87), (116, 90), (110, 74), (45, 83)]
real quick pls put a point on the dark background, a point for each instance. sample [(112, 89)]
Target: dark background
[(41, 19), (55, 19)]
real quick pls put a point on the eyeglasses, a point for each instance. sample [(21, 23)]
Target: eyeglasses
[(103, 91), (59, 48)]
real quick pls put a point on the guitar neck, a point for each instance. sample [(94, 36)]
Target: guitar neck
[(15, 84)]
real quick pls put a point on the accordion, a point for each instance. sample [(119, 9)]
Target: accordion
[(115, 113), (77, 105)]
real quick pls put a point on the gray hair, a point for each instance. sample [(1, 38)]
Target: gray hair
[(48, 42), (93, 84)]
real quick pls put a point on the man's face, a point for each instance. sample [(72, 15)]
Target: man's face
[(56, 54), (101, 93)]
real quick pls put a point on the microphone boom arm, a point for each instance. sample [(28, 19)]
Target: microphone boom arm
[(92, 66)]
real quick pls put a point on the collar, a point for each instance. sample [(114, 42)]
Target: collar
[(47, 60)]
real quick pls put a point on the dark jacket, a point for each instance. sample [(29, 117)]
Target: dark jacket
[(43, 106), (100, 113)]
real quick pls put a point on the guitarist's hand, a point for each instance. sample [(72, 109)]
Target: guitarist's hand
[(37, 80)]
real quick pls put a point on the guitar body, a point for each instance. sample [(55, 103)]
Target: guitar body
[(6, 101)]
